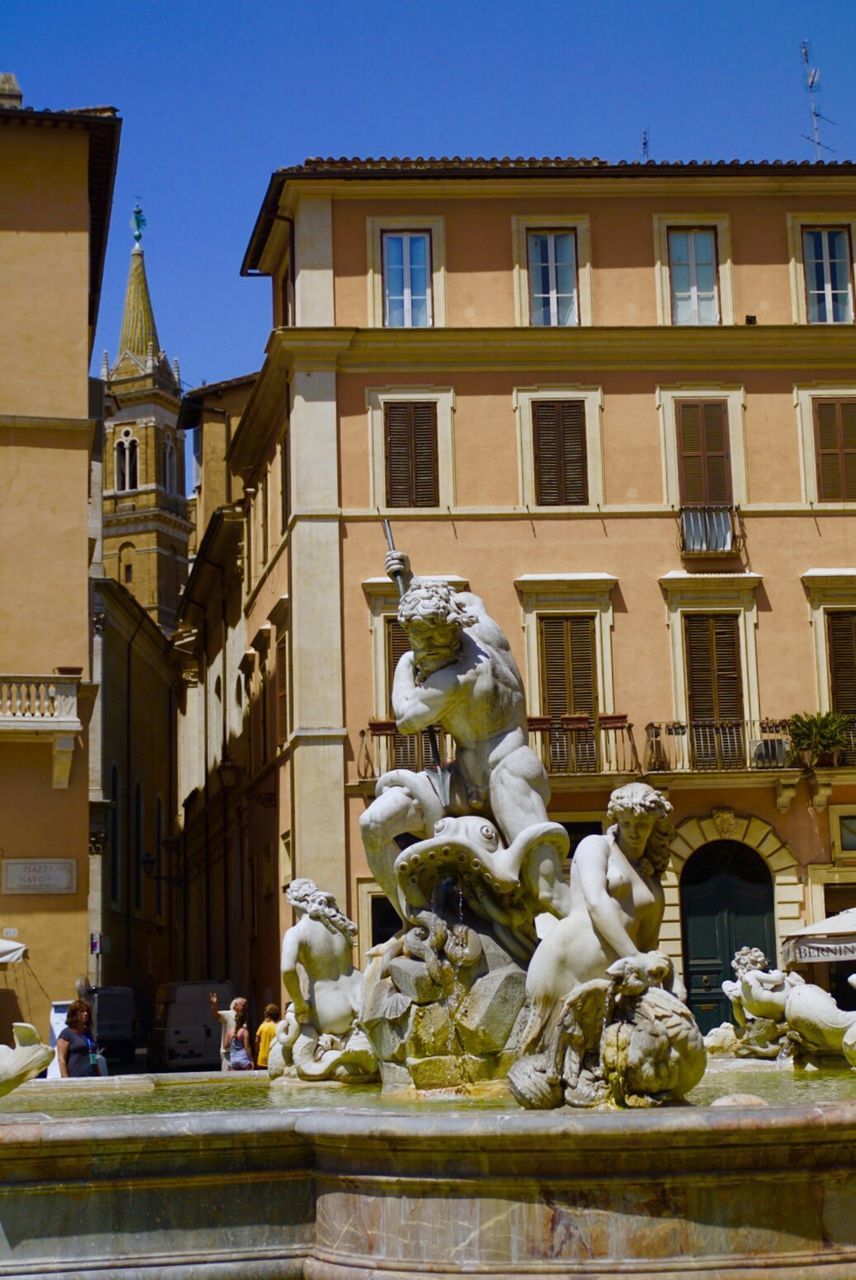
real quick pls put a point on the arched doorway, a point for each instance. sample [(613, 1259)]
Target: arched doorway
[(726, 903)]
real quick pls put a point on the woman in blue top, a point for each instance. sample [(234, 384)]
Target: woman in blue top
[(76, 1053), (238, 1043)]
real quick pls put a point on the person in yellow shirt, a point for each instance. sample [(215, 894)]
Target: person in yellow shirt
[(265, 1035)]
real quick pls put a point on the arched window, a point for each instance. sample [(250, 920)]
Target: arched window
[(127, 552), (127, 462), (170, 478)]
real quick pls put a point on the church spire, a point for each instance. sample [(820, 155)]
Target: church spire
[(140, 357), (139, 333)]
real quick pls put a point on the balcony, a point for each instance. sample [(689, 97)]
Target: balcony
[(43, 708), (382, 748), (709, 531), (566, 745), (572, 745), (719, 746)]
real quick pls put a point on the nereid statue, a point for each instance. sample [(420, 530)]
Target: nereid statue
[(321, 1038)]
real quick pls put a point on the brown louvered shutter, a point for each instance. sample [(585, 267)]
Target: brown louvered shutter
[(703, 457), (714, 688), (559, 445), (410, 450), (835, 449), (841, 641), (569, 687)]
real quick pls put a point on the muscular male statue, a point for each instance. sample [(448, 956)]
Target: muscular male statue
[(460, 674)]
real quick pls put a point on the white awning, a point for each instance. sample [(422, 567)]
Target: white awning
[(832, 940), (11, 952)]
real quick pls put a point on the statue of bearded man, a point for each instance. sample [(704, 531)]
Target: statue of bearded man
[(460, 674)]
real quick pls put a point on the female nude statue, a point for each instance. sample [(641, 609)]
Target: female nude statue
[(616, 899)]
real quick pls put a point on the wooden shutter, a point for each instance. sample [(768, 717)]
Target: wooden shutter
[(841, 641), (569, 687), (410, 451), (835, 449), (559, 446), (703, 458), (714, 688)]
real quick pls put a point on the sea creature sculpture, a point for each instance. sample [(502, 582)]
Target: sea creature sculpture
[(622, 1039), (29, 1056), (758, 998)]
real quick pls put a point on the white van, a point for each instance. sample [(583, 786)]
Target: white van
[(185, 1036)]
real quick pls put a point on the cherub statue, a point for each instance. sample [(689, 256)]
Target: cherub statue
[(326, 990)]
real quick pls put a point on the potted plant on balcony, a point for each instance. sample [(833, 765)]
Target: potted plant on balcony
[(820, 736)]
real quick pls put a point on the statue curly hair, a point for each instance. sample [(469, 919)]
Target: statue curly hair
[(304, 894), (639, 797), (433, 602)]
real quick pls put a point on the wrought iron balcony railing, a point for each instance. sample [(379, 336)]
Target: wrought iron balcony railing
[(708, 531), (565, 745), (718, 746)]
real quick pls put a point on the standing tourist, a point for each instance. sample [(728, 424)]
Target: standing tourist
[(265, 1035), (76, 1052)]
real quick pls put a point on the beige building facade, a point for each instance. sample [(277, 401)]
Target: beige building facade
[(619, 402), (51, 261)]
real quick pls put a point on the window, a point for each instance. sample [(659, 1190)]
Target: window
[(552, 261), (552, 270), (835, 449), (281, 691), (159, 874), (559, 445), (410, 429), (841, 645), (284, 484), (714, 689), (569, 689), (263, 518), (170, 478), (692, 275), (703, 441), (410, 452), (138, 847), (127, 462), (114, 835), (407, 750), (128, 572), (828, 281), (406, 279), (406, 276), (704, 473)]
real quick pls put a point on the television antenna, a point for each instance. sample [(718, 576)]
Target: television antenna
[(812, 80)]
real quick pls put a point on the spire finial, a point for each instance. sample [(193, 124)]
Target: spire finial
[(138, 221)]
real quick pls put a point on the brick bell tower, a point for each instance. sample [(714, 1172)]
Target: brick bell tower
[(146, 529)]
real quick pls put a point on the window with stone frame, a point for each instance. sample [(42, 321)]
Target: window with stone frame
[(835, 448), (559, 451), (411, 460)]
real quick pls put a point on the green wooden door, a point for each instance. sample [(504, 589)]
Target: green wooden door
[(726, 903)]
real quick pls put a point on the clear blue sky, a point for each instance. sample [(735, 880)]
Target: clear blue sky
[(216, 95)]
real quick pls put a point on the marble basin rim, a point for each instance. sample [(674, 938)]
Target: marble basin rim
[(349, 1192)]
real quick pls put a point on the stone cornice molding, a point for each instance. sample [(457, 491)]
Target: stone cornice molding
[(22, 422), (566, 350)]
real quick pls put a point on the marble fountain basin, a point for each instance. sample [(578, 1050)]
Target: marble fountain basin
[(194, 1177)]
